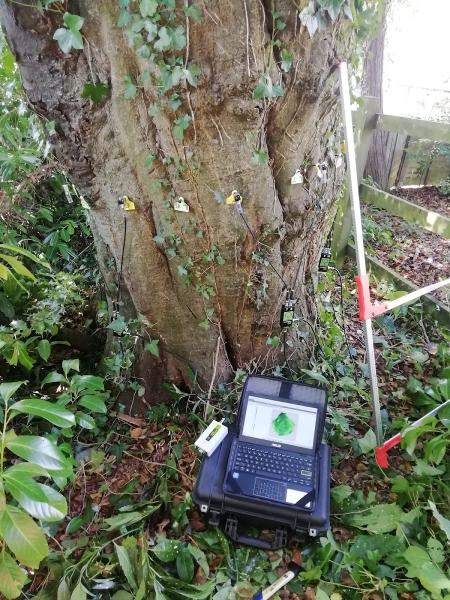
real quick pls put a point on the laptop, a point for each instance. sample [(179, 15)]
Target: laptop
[(275, 455)]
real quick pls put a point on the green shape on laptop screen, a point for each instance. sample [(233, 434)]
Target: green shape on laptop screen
[(283, 425)]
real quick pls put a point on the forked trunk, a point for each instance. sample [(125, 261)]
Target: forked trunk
[(202, 278)]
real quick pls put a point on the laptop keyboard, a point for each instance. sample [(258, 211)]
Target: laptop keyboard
[(277, 464)]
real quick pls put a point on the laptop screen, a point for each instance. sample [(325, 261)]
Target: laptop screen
[(280, 422)]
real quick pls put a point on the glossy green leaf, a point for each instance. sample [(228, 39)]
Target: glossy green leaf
[(63, 591), (88, 382), (12, 577), (52, 509), (21, 485), (2, 496), (72, 364), (79, 592), (74, 525), (28, 469), (95, 403), (49, 411), (167, 550), (185, 565), (443, 523), (126, 566), (85, 421), (200, 557), (27, 253), (38, 450), (18, 266), (23, 537), (122, 595), (44, 349), (53, 377), (8, 389)]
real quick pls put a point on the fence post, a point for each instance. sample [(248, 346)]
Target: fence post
[(364, 125)]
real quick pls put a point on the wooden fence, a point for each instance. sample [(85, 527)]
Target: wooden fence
[(366, 120)]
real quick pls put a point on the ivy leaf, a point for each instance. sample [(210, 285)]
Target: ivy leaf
[(368, 442), (192, 73), (71, 37), (266, 89), (149, 160), (219, 197), (178, 38), (260, 158), (159, 239), (124, 18), (164, 40), (341, 493), (95, 91), (286, 60), (332, 7), (73, 22), (148, 7), (174, 102), (308, 18), (381, 518), (153, 347), (12, 577), (130, 87), (68, 39), (181, 124), (431, 577), (193, 12)]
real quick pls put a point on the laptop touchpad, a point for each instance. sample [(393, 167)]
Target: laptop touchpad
[(272, 490)]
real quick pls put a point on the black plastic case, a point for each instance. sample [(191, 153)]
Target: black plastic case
[(228, 511)]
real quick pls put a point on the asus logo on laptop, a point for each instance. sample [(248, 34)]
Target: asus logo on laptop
[(276, 445)]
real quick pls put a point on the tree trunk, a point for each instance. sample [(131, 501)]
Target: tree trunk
[(210, 269), (381, 151)]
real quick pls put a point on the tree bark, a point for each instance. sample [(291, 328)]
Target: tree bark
[(379, 159), (104, 148)]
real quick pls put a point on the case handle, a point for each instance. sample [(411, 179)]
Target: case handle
[(280, 537)]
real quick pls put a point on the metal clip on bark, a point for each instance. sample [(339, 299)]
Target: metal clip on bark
[(126, 203), (235, 198)]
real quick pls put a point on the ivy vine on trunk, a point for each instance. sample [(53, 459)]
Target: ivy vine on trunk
[(159, 100)]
